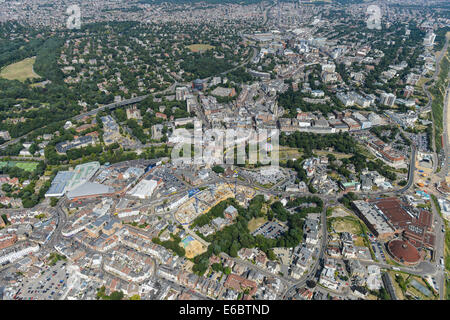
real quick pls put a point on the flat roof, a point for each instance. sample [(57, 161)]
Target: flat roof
[(89, 189)]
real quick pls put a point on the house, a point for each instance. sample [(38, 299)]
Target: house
[(374, 281), (305, 294), (359, 291), (296, 272), (157, 131), (219, 223), (161, 115), (348, 251), (334, 252), (312, 237), (310, 225), (261, 259), (246, 254), (346, 238), (273, 267), (230, 213), (303, 258), (327, 278)]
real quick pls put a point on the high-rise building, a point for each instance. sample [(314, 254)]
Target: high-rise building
[(198, 84), (429, 39), (387, 99), (181, 93)]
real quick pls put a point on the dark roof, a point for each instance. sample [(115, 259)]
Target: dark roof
[(404, 251)]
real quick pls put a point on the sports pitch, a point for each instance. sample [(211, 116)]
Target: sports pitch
[(200, 47), (27, 166), (21, 70), (192, 247)]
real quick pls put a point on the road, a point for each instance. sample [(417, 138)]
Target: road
[(110, 106), (255, 52), (425, 87), (445, 170), (126, 102), (285, 280), (62, 220), (80, 116), (412, 169), (435, 75), (439, 241), (439, 250), (313, 269)]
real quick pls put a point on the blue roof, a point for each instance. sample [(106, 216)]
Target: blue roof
[(57, 188), (63, 176), (230, 209)]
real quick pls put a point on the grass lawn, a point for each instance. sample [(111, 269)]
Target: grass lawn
[(200, 47), (255, 223), (355, 226), (447, 289), (21, 70), (447, 249), (359, 242), (338, 155), (287, 153), (422, 81), (27, 166), (439, 52), (392, 261), (346, 224), (397, 289), (266, 186), (365, 152)]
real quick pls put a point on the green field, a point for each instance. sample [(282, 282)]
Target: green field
[(287, 153), (346, 224), (438, 93), (27, 166), (255, 223), (200, 47), (21, 70)]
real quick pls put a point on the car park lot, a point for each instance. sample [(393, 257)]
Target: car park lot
[(378, 250), (271, 230), (50, 285)]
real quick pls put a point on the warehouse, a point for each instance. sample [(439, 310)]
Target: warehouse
[(144, 189)]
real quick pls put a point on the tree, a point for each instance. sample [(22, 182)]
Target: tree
[(217, 267), (53, 201), (271, 255), (218, 169), (234, 249), (116, 295), (227, 270), (6, 188)]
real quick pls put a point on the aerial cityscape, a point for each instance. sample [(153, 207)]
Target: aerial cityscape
[(224, 150)]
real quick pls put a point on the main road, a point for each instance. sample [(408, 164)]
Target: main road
[(313, 269), (425, 87), (445, 170)]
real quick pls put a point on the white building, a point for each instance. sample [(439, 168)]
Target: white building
[(127, 214), (428, 41), (144, 189), (16, 255), (374, 281)]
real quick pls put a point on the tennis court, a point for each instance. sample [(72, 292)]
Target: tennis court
[(187, 240)]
